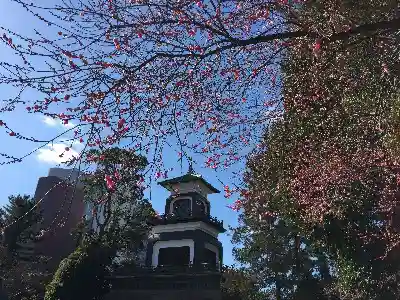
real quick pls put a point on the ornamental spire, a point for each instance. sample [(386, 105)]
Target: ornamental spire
[(191, 170)]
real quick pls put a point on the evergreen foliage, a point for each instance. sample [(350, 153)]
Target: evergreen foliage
[(83, 274), (20, 268), (328, 169), (113, 235), (237, 284)]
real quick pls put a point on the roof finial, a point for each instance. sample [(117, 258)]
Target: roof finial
[(191, 170)]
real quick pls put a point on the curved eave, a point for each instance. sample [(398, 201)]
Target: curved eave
[(187, 178)]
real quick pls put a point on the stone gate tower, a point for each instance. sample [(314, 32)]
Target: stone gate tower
[(183, 254), (186, 234)]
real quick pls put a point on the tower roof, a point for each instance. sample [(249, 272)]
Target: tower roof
[(189, 177)]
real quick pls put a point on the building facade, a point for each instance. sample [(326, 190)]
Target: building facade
[(60, 199)]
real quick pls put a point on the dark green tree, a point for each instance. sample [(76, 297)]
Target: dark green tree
[(115, 194), (238, 284), (83, 274), (283, 262), (113, 235), (18, 219), (329, 166), (19, 266)]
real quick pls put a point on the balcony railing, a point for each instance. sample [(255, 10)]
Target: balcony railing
[(171, 218), (152, 283), (169, 269)]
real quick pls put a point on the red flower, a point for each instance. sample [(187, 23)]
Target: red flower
[(236, 74), (317, 45), (72, 64), (117, 45), (67, 53), (121, 123), (236, 206), (109, 182)]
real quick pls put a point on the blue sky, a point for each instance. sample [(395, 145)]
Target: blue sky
[(21, 178)]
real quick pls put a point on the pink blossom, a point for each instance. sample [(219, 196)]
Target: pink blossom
[(317, 46), (109, 182), (121, 123), (117, 176)]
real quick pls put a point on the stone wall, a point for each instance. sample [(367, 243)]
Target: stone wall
[(201, 286)]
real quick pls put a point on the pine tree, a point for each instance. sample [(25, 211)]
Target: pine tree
[(19, 219), (283, 261), (238, 284), (19, 266)]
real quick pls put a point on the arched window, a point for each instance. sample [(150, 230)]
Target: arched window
[(201, 207), (181, 207)]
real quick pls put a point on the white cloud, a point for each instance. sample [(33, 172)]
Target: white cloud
[(69, 125), (51, 153), (77, 145), (49, 121)]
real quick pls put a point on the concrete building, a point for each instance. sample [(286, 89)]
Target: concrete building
[(61, 201)]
